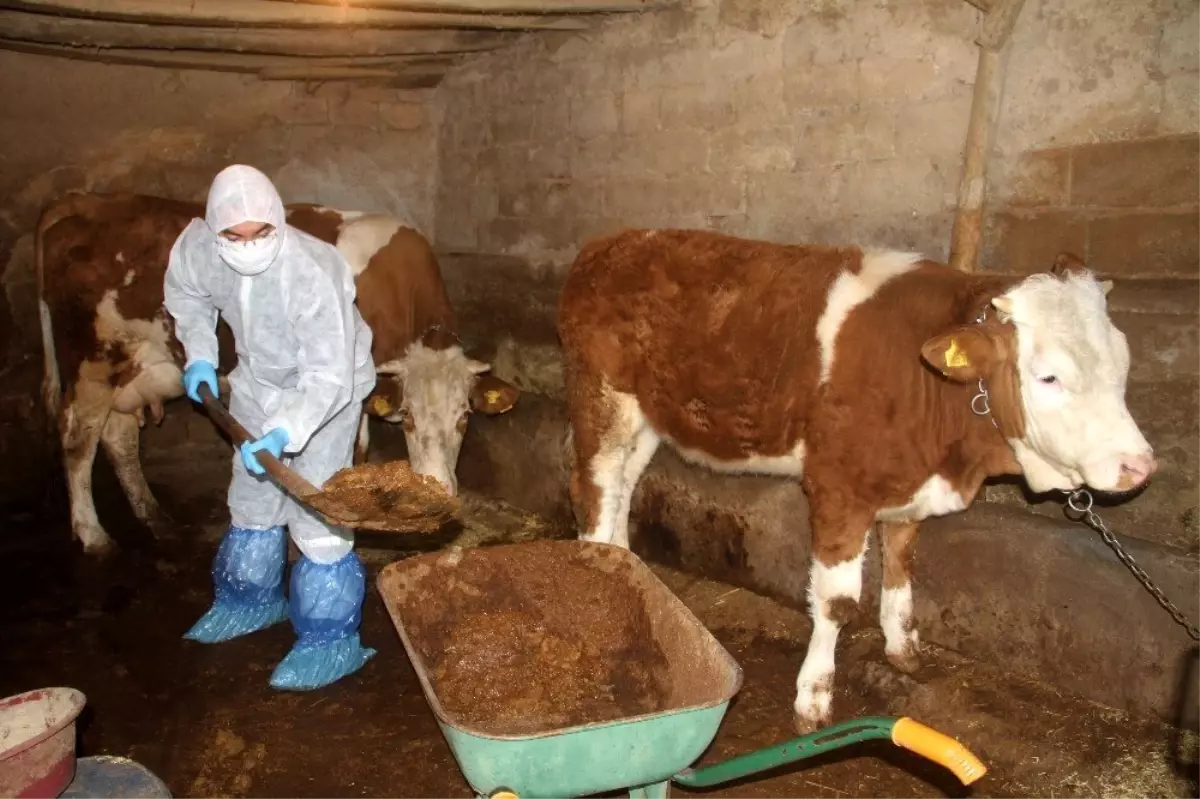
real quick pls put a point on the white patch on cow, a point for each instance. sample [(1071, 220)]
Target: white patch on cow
[(145, 343), (51, 379), (437, 386), (121, 259), (896, 619), (362, 441), (359, 240), (626, 448), (83, 421), (814, 683), (935, 497), (851, 290), (347, 216), (790, 465), (120, 437), (129, 276), (1073, 365)]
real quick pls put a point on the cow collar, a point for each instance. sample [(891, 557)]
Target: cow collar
[(981, 403)]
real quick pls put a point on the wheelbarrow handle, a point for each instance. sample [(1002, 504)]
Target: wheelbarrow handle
[(904, 732), (938, 747)]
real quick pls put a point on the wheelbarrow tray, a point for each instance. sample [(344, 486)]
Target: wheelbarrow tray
[(594, 757)]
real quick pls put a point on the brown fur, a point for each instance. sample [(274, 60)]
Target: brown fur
[(717, 339), (716, 336), (401, 296), (80, 236)]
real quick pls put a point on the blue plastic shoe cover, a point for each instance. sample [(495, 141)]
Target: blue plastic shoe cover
[(326, 610), (248, 584)]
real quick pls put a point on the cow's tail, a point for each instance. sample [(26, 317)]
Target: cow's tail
[(51, 379)]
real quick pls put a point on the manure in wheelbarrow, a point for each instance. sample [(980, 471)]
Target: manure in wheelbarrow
[(508, 656), (388, 496)]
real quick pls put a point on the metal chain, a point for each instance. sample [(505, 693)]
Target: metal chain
[(1081, 502)]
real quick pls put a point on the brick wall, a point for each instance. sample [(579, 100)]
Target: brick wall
[(1097, 147)]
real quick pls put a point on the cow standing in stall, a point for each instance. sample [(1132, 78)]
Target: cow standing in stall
[(111, 354), (889, 385)]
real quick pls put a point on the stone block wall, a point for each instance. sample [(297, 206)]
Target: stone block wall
[(833, 121), (825, 121)]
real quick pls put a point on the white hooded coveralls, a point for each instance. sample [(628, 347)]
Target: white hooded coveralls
[(304, 352)]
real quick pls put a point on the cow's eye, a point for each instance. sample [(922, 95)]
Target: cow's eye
[(1048, 379)]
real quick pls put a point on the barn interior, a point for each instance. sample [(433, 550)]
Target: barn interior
[(510, 132)]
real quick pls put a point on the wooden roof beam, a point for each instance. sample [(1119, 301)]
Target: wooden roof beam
[(76, 32), (504, 6), (233, 13), (229, 62)]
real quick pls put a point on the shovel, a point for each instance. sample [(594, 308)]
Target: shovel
[(388, 497)]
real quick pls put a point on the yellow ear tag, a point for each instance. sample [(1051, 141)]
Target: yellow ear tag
[(491, 396), (381, 406), (956, 358)]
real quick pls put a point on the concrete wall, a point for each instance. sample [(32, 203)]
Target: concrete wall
[(75, 125)]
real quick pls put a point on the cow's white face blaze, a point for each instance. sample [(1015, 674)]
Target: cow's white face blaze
[(1073, 366), (435, 406)]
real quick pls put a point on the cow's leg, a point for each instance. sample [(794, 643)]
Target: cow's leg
[(645, 443), (80, 426), (120, 437), (362, 441), (606, 427), (834, 589), (896, 601)]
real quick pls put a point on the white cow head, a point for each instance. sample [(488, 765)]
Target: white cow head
[(1055, 369), (433, 392)]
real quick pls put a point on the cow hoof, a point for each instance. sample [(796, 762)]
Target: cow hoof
[(812, 710), (907, 660), (806, 725), (99, 546), (162, 526)]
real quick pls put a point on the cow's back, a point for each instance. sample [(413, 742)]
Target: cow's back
[(710, 332), (401, 294), (98, 248)]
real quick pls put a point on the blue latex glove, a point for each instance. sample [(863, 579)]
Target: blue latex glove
[(197, 373), (273, 442)]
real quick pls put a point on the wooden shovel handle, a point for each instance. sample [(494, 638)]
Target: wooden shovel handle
[(294, 484)]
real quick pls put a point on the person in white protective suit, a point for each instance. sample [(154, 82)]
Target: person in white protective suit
[(304, 369)]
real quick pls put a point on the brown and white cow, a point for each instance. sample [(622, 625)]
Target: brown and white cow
[(892, 386), (110, 351)]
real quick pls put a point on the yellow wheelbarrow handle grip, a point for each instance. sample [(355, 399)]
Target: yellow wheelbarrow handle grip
[(938, 747)]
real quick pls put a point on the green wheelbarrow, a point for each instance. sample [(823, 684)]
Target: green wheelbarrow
[(644, 753)]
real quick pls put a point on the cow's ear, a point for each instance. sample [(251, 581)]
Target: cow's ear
[(478, 367), (962, 354), (386, 399), (493, 396)]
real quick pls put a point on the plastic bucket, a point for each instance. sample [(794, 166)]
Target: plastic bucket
[(37, 741)]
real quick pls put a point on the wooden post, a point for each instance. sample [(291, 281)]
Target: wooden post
[(985, 109)]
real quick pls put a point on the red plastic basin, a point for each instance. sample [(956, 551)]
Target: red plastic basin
[(37, 742)]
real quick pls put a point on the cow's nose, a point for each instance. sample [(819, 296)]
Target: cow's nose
[(1136, 469)]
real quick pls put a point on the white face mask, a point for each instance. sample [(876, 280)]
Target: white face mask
[(250, 257)]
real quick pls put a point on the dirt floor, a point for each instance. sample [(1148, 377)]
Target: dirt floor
[(204, 719)]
